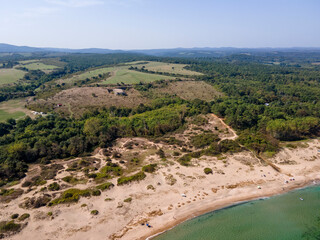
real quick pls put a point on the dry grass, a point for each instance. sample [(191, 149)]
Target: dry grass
[(190, 90), (76, 101)]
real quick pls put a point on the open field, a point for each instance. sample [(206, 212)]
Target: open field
[(10, 76), (119, 74), (190, 90), (85, 75), (169, 68), (133, 77), (13, 109), (47, 64), (76, 101), (39, 66)]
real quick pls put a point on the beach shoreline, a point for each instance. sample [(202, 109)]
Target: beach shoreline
[(227, 204)]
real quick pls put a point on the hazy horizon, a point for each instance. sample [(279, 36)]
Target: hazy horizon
[(142, 24)]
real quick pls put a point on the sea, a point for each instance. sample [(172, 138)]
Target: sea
[(291, 216)]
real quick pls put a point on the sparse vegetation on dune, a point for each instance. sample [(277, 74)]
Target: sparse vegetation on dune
[(136, 177)]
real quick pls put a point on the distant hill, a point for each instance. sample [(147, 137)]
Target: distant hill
[(174, 52)]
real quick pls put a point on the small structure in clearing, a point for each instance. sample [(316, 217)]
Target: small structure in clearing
[(119, 91)]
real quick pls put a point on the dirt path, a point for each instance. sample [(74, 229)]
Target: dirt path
[(235, 135), (257, 156)]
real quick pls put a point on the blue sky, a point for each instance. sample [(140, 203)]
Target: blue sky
[(146, 24)]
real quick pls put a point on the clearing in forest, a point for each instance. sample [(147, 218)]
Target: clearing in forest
[(190, 90), (76, 101), (45, 65), (169, 68), (122, 74), (119, 74)]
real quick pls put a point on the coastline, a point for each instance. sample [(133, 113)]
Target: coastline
[(227, 204), (179, 193)]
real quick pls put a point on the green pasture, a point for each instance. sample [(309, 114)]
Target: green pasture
[(10, 75)]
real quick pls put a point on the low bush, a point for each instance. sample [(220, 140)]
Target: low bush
[(136, 177), (54, 186), (149, 168), (24, 216), (36, 202), (185, 160), (94, 212), (14, 216), (207, 171), (128, 200), (9, 227), (70, 196), (204, 139), (96, 192), (105, 186), (111, 169), (72, 180)]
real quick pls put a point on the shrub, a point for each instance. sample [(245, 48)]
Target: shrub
[(161, 153), (50, 214), (128, 200), (14, 216), (54, 187), (149, 168), (24, 216), (70, 196), (207, 171), (92, 175), (109, 170), (204, 139), (26, 184), (9, 227), (185, 160), (136, 177), (150, 187), (176, 154), (94, 212), (105, 186), (135, 161), (6, 192), (84, 205), (36, 202), (73, 180), (96, 192)]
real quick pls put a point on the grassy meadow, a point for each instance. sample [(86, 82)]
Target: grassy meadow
[(13, 109), (132, 77), (8, 76), (169, 68), (39, 66), (119, 74)]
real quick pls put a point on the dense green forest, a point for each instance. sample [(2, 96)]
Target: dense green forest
[(264, 103)]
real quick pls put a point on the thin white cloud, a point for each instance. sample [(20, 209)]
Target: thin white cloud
[(76, 3)]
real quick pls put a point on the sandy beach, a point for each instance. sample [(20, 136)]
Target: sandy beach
[(167, 197)]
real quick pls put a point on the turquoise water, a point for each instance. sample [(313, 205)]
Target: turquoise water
[(283, 217)]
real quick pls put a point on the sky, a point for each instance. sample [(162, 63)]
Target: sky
[(156, 24)]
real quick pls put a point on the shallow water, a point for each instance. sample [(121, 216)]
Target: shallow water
[(283, 217)]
